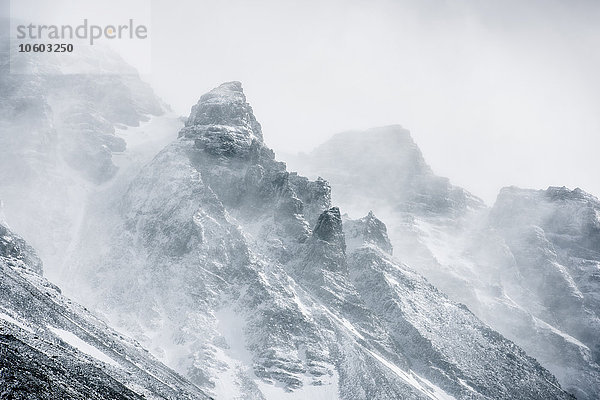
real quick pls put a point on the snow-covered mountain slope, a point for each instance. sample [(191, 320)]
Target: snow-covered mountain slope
[(554, 236), (553, 242), (52, 348), (237, 273), (432, 330), (522, 277), (62, 136)]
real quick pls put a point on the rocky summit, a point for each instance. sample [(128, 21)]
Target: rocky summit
[(222, 122)]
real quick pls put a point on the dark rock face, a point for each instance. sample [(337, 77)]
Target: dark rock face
[(315, 195), (239, 269), (329, 227), (225, 105), (52, 348)]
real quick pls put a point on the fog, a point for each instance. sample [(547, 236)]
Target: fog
[(210, 254), (494, 93)]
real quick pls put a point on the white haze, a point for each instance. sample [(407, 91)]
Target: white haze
[(495, 93)]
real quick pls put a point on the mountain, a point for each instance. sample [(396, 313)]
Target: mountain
[(380, 161), (243, 277), (63, 136), (53, 348), (527, 267), (553, 242), (383, 170)]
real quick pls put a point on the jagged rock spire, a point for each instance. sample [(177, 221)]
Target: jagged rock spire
[(222, 122), (329, 227), (368, 230)]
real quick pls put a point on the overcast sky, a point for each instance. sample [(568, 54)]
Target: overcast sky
[(494, 92)]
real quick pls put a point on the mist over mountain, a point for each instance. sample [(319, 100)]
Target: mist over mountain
[(242, 276), (64, 135), (53, 348), (528, 266), (376, 280)]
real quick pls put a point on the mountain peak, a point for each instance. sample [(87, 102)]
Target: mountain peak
[(386, 165), (564, 193), (368, 230), (223, 123), (552, 194), (232, 86), (228, 92)]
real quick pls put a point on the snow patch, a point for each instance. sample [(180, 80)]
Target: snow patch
[(83, 346), (347, 324), (144, 141), (231, 327), (567, 337), (13, 321), (419, 383)]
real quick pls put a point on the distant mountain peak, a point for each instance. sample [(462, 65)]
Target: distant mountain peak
[(553, 194), (564, 193), (386, 165)]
